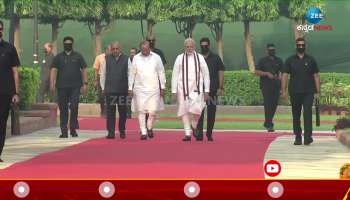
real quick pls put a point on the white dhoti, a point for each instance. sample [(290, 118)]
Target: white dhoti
[(147, 101), (190, 80)]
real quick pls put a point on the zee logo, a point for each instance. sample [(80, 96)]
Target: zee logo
[(314, 15)]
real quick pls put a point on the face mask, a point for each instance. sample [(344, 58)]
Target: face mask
[(68, 47), (301, 49), (271, 52), (204, 49), (151, 44)]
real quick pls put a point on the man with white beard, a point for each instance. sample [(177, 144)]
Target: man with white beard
[(190, 74), (147, 87)]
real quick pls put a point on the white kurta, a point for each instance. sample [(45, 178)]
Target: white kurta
[(146, 75), (194, 103), (102, 73)]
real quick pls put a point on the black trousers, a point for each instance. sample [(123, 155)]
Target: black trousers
[(211, 113), (5, 106), (68, 99), (299, 101), (101, 100), (271, 95), (122, 100)]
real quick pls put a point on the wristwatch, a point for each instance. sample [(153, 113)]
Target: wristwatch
[(85, 83)]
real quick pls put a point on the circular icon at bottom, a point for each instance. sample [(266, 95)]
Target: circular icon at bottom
[(106, 189), (21, 189), (192, 189), (275, 190)]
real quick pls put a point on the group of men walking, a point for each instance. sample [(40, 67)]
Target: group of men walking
[(304, 86), (137, 82)]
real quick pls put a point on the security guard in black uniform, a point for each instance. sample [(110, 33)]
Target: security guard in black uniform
[(269, 69), (69, 70), (304, 85), (9, 83)]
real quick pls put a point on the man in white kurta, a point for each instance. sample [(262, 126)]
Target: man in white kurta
[(190, 86), (147, 86)]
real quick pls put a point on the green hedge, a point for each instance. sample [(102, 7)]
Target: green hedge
[(242, 88), (335, 89), (91, 95), (29, 86)]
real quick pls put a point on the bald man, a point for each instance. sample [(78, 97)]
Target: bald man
[(114, 84), (45, 72)]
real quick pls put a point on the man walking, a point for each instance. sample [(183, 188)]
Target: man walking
[(269, 69), (147, 87), (69, 76), (190, 73), (304, 84), (132, 53), (45, 72), (114, 84), (9, 81), (216, 74), (100, 61), (152, 42)]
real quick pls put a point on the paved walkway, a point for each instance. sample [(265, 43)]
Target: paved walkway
[(25, 147), (322, 159)]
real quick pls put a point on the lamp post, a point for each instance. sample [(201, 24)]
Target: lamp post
[(36, 34)]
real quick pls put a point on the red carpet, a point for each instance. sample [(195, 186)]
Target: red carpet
[(98, 123), (231, 155)]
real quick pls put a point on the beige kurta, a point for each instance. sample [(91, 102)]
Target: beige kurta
[(183, 83), (146, 75)]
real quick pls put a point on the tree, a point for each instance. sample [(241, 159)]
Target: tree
[(95, 14), (15, 10), (254, 11), (296, 10), (153, 11), (54, 12), (185, 14), (217, 13)]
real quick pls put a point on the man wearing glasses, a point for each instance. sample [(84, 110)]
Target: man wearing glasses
[(304, 85)]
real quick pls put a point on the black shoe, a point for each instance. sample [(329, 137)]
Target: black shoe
[(198, 135), (73, 133), (143, 137), (298, 140), (110, 136), (64, 135), (1, 160), (186, 138), (308, 140), (150, 133), (194, 132), (122, 135), (210, 137), (199, 138), (270, 130), (269, 127)]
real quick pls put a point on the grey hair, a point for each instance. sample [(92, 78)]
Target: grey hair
[(115, 43), (189, 40)]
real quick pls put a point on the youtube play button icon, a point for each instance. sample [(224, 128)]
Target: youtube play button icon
[(272, 168)]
